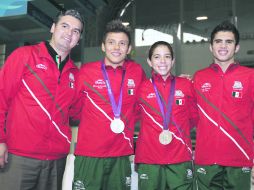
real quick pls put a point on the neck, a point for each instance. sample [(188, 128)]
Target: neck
[(224, 66), (114, 65), (63, 54)]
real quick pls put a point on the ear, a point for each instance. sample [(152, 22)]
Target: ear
[(103, 47), (149, 62), (52, 29), (173, 62), (129, 49), (237, 48), (211, 48)]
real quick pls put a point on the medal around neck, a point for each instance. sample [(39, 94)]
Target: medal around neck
[(117, 125), (165, 137)]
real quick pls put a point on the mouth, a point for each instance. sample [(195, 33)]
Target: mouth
[(67, 39), (222, 52), (116, 54)]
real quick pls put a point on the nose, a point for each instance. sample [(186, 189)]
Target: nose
[(163, 60), (116, 46)]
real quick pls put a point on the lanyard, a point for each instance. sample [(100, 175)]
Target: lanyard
[(166, 116), (115, 107)]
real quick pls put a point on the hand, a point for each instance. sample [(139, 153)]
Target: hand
[(186, 76), (3, 155)]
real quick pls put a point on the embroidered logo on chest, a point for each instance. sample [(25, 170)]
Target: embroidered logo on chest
[(41, 66), (100, 83), (179, 95), (71, 80), (237, 89), (206, 87)]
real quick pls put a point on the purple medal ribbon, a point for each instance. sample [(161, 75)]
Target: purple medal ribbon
[(115, 107), (166, 116)]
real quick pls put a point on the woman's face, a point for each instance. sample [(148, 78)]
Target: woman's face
[(161, 61)]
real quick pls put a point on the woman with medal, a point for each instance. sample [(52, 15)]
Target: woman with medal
[(107, 91), (167, 109)]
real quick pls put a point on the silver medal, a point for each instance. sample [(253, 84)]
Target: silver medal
[(117, 125), (165, 137)]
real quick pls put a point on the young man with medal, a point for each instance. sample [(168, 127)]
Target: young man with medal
[(37, 89), (107, 90), (225, 98), (168, 112)]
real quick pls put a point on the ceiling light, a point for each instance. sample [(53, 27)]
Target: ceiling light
[(126, 23), (201, 18)]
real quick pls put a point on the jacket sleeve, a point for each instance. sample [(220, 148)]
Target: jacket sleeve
[(194, 116), (76, 108), (10, 80)]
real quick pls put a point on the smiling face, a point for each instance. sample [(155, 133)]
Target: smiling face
[(161, 61), (116, 48), (223, 48), (65, 34)]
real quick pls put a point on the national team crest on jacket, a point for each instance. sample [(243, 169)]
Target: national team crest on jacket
[(179, 95), (131, 86), (72, 80), (237, 89)]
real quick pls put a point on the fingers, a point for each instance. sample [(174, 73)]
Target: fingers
[(2, 161)]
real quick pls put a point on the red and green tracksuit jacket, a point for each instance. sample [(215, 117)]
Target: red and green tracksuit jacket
[(35, 100), (226, 105), (95, 138), (184, 116)]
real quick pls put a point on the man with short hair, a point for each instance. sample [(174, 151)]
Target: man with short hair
[(225, 98), (107, 91), (37, 88)]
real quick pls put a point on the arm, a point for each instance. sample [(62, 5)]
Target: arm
[(3, 154), (10, 79)]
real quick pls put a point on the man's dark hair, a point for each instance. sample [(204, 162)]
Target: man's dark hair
[(116, 26), (71, 12), (226, 26)]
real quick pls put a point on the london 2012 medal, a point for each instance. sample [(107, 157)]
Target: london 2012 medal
[(165, 137), (117, 125)]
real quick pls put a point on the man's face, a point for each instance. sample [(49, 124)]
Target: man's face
[(116, 48), (65, 33), (224, 48)]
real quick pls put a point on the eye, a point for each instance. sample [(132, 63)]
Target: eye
[(123, 43), (156, 57), (168, 57), (77, 32)]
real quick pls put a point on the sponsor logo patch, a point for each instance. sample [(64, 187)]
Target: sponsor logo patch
[(189, 174), (143, 176), (78, 185), (41, 66), (100, 83), (151, 95), (246, 169), (201, 170), (206, 87)]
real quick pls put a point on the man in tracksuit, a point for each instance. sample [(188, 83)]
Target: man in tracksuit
[(225, 98), (107, 90), (37, 88)]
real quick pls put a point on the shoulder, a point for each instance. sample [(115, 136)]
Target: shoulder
[(90, 66)]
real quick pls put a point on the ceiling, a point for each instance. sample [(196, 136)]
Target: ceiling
[(34, 23)]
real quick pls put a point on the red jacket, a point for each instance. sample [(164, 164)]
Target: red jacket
[(184, 116), (95, 137), (34, 103), (226, 104)]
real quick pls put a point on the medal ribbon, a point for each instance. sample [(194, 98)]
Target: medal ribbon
[(166, 116), (115, 107)]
